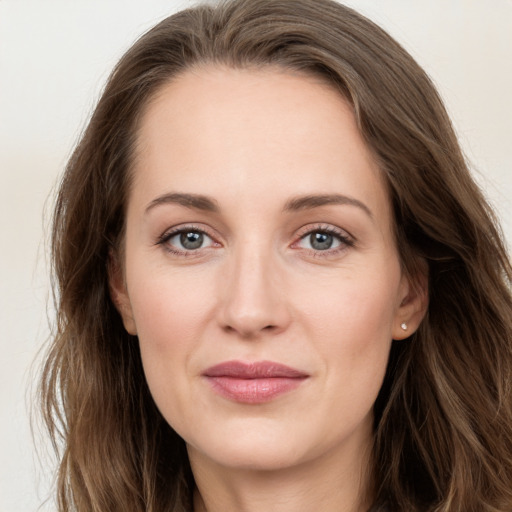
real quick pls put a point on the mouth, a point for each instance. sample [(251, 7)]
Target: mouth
[(253, 383)]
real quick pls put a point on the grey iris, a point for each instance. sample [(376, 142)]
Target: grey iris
[(320, 241), (191, 240)]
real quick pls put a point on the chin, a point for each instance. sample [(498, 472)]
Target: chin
[(259, 449), (254, 458)]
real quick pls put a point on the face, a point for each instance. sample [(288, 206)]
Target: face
[(260, 271)]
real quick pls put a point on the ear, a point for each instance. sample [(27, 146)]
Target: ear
[(119, 293), (413, 306)]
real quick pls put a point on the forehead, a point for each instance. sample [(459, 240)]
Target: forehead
[(221, 131)]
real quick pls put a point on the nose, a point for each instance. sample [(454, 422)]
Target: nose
[(253, 295)]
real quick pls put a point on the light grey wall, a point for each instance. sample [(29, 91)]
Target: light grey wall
[(54, 57)]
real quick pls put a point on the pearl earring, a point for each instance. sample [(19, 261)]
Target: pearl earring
[(403, 325)]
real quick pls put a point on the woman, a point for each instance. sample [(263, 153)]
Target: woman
[(279, 287)]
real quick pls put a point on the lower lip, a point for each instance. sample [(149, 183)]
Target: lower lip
[(253, 391)]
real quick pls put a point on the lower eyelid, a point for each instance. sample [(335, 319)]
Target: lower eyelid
[(340, 246)]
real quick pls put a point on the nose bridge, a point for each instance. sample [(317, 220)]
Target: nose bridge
[(252, 298)]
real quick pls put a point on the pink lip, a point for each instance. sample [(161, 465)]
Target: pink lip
[(253, 383)]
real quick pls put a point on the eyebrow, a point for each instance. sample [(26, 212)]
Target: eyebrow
[(205, 203), (192, 201), (316, 201)]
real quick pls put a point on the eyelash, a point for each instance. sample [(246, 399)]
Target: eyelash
[(345, 240), (168, 235)]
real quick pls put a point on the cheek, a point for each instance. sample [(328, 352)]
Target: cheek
[(358, 308), (170, 311), (169, 307), (352, 321)]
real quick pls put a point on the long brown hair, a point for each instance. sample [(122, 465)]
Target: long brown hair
[(443, 419)]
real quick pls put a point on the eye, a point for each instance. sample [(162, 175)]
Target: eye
[(185, 240), (320, 241), (323, 240)]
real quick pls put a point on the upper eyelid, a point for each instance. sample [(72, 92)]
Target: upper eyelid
[(302, 232), (311, 228), (181, 228), (170, 233)]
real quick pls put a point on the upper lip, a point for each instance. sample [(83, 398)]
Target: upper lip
[(255, 370)]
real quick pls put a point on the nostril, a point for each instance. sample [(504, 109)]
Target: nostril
[(247, 332)]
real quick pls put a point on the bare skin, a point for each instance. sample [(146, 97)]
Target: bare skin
[(259, 230)]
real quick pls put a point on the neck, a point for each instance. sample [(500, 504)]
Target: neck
[(330, 484)]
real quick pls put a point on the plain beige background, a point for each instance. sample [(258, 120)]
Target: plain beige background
[(54, 58)]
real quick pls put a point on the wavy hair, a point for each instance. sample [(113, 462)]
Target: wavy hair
[(443, 419)]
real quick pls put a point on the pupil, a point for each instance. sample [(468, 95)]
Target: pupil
[(191, 240), (321, 241)]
